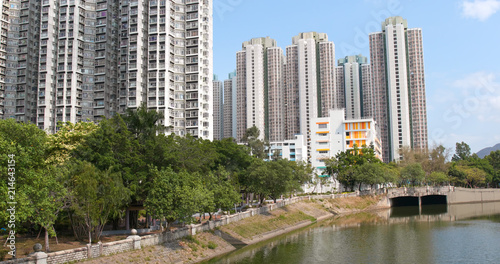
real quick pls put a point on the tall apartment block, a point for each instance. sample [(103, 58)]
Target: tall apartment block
[(355, 89), (218, 99), (19, 45), (310, 82), (67, 60), (4, 25), (259, 86), (101, 57), (179, 63), (229, 116), (78, 61), (275, 114), (396, 56)]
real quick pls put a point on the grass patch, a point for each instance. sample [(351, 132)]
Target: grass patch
[(193, 247), (192, 239), (212, 245), (359, 203), (259, 224)]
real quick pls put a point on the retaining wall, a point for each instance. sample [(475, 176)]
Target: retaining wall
[(464, 195)]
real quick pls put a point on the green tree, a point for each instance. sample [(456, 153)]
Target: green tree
[(302, 173), (437, 160), (225, 196), (231, 156), (176, 196), (438, 178), (48, 196), (494, 160), (257, 178), (144, 123), (370, 173), (69, 136), (95, 196), (474, 177), (113, 146), (257, 146), (345, 165), (412, 174), (191, 154), (457, 175), (392, 173), (462, 152), (23, 146)]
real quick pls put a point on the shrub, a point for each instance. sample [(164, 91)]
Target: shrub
[(212, 245)]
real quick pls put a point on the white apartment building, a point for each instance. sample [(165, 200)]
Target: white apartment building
[(292, 149), (229, 116), (396, 56), (334, 134), (310, 82), (22, 41), (101, 57), (355, 89), (4, 26), (180, 62), (258, 71)]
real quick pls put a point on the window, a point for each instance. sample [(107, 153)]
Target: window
[(322, 126)]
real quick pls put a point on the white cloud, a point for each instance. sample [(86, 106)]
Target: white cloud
[(480, 9), (478, 84), (469, 113)]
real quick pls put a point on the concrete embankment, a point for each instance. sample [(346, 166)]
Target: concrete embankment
[(296, 216)]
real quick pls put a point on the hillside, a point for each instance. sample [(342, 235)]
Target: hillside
[(486, 151)]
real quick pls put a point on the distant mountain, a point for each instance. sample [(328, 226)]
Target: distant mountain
[(486, 151)]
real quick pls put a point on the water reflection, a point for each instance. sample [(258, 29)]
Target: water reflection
[(430, 234)]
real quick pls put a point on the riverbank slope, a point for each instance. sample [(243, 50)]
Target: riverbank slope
[(250, 230)]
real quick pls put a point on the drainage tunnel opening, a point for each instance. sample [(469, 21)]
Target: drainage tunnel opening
[(404, 201)]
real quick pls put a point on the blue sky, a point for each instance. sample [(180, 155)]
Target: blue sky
[(461, 50)]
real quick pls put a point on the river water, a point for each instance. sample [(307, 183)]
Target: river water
[(468, 233)]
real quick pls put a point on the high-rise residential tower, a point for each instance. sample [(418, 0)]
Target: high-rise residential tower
[(275, 116), (4, 27), (21, 68), (101, 57), (69, 61), (180, 65), (396, 56), (218, 99), (259, 84), (310, 82), (230, 107), (355, 88)]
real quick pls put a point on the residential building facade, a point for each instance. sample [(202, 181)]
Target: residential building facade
[(218, 99), (229, 116), (259, 74), (356, 87), (291, 149), (98, 58), (19, 45), (334, 134), (310, 84), (396, 56)]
